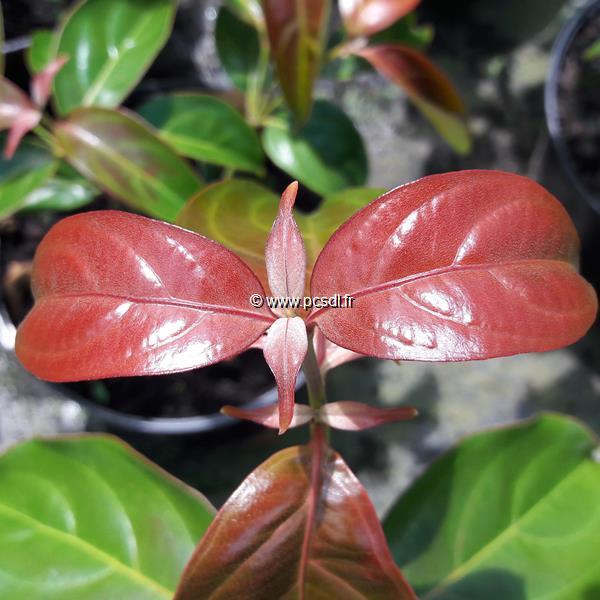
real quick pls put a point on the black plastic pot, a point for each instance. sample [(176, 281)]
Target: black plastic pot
[(552, 100)]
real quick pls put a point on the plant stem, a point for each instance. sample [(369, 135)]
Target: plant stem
[(45, 136), (255, 99), (314, 378)]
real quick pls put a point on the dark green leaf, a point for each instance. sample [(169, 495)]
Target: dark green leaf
[(238, 47), (111, 44), (509, 514), (127, 160), (41, 51), (88, 518), (327, 154), (207, 129), (31, 165), (407, 32)]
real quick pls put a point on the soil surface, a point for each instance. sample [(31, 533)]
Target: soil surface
[(579, 105), (199, 392)]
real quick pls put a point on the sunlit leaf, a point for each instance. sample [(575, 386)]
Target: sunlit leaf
[(297, 37), (119, 295), (111, 44), (366, 17), (41, 51), (513, 513), (238, 47), (126, 159), (327, 154), (460, 266), (87, 518), (207, 129), (29, 168), (428, 88), (300, 526)]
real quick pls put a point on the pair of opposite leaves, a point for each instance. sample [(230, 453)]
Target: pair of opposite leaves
[(460, 266)]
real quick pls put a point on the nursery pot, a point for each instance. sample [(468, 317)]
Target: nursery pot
[(572, 102)]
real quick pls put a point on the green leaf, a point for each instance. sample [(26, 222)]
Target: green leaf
[(239, 214), (513, 513), (111, 44), (327, 154), (317, 227), (31, 165), (61, 193), (42, 50), (249, 11), (126, 159), (88, 518), (207, 129), (238, 47), (406, 31), (592, 52)]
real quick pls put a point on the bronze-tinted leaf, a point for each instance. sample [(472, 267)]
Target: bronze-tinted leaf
[(301, 526), (460, 266), (125, 158), (427, 86), (296, 33)]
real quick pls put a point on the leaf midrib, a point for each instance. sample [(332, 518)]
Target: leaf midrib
[(111, 64), (470, 564), (88, 549)]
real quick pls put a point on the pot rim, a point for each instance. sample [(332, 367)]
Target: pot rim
[(134, 423), (562, 44)]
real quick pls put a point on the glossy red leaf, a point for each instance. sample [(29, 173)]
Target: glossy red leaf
[(460, 266), (285, 255), (118, 295), (330, 355), (366, 17), (17, 114), (296, 34), (268, 416), (300, 526), (356, 416), (427, 86), (284, 350)]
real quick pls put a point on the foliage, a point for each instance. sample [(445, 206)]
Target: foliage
[(273, 53), (459, 266)]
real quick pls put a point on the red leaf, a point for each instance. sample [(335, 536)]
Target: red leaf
[(285, 254), (17, 113), (355, 416), (41, 84), (118, 295), (427, 86), (460, 266), (300, 526), (268, 416), (366, 17), (415, 73), (296, 35), (285, 349)]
